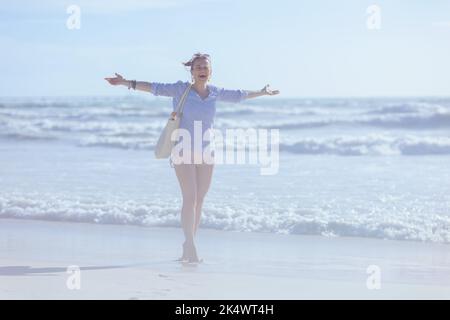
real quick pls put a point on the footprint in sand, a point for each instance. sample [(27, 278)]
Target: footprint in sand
[(166, 277)]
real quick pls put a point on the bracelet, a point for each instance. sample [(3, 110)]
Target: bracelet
[(132, 84)]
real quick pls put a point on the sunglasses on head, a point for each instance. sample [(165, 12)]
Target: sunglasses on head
[(200, 55)]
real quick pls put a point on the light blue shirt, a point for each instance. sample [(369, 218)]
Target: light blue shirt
[(196, 108)]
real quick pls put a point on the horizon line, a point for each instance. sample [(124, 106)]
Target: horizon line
[(140, 95)]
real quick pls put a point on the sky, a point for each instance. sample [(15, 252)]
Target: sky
[(321, 48)]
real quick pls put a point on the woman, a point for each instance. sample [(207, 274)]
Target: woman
[(194, 177)]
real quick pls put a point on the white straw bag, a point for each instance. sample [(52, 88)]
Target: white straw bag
[(165, 144)]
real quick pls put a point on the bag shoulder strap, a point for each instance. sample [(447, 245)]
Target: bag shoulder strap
[(180, 106)]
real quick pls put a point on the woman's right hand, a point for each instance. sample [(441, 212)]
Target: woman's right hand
[(118, 79)]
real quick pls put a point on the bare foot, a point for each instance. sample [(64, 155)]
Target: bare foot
[(184, 257), (192, 254)]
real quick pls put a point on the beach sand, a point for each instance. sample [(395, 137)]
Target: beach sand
[(133, 262)]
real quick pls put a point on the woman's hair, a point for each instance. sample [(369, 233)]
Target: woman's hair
[(196, 56)]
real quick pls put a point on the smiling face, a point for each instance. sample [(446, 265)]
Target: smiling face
[(201, 70)]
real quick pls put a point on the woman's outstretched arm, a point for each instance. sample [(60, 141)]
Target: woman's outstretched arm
[(263, 92), (119, 80)]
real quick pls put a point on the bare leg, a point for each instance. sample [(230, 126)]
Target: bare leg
[(187, 180), (204, 176)]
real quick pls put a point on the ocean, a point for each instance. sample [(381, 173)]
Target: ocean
[(349, 167)]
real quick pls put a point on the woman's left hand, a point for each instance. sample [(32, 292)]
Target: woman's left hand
[(268, 91)]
